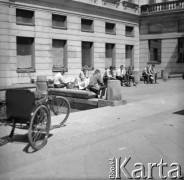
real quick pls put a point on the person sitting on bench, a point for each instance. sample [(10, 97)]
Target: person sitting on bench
[(147, 75), (83, 80), (129, 76), (60, 81), (120, 75), (96, 84)]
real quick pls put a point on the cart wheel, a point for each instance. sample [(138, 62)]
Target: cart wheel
[(39, 127), (60, 106), (3, 113)]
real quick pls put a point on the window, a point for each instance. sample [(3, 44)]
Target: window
[(110, 28), (129, 55), (129, 31), (87, 25), (181, 25), (155, 50), (59, 54), (59, 21), (109, 55), (25, 53), (181, 50), (87, 55), (24, 17), (154, 28)]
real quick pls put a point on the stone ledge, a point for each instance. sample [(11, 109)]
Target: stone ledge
[(176, 76), (104, 103), (93, 101)]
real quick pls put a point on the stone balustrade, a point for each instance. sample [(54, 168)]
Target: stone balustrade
[(162, 7), (119, 4)]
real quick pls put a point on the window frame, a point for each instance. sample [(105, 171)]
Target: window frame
[(92, 25), (113, 53), (58, 68), (114, 28), (18, 22), (181, 25), (155, 61), (127, 33), (132, 53), (91, 66), (178, 60), (32, 69), (157, 28), (61, 16)]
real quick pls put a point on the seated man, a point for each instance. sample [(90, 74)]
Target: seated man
[(60, 81), (147, 75), (129, 76), (96, 85), (120, 75)]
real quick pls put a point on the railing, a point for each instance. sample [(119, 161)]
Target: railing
[(162, 7)]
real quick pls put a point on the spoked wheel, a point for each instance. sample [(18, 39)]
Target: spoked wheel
[(3, 113), (60, 106), (4, 122), (38, 131)]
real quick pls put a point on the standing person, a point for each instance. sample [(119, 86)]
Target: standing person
[(153, 72), (130, 76), (96, 84), (120, 74)]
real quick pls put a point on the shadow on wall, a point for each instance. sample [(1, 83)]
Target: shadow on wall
[(173, 66)]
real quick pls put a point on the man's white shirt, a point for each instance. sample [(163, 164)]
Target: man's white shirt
[(58, 79), (120, 72)]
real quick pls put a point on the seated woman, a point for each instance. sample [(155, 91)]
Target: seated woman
[(83, 81), (96, 84)]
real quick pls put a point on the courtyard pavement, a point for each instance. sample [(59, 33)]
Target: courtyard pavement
[(147, 129)]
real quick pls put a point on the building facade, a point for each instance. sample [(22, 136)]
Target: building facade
[(40, 37), (162, 36)]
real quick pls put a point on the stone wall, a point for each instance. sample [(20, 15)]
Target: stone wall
[(164, 27), (43, 34)]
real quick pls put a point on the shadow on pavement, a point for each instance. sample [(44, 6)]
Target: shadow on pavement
[(181, 112), (20, 138)]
